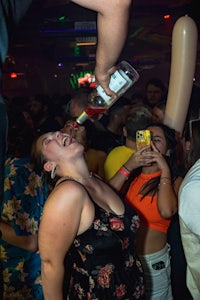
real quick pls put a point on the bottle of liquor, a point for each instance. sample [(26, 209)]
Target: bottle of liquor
[(120, 81)]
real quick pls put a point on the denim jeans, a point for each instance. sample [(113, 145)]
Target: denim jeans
[(157, 272)]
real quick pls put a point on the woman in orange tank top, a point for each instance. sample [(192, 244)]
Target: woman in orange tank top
[(152, 192)]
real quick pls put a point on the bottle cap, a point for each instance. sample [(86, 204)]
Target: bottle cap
[(82, 118)]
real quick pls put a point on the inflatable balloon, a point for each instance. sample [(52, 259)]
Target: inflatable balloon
[(183, 62)]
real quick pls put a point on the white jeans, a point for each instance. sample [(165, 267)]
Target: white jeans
[(157, 272)]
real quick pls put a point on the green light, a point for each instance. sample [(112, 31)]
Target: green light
[(77, 51), (62, 18)]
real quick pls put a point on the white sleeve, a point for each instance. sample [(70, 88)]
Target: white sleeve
[(189, 203)]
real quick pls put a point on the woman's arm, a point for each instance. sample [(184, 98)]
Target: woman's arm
[(112, 23), (167, 197), (29, 242), (59, 226), (138, 159)]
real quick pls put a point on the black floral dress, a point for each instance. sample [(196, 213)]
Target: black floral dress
[(103, 260)]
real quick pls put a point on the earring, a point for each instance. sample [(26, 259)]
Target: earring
[(53, 172)]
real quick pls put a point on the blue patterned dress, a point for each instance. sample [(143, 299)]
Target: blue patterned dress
[(24, 197)]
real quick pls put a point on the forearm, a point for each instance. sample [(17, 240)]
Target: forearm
[(117, 181), (112, 24), (121, 176), (112, 33), (28, 243), (167, 198), (52, 280)]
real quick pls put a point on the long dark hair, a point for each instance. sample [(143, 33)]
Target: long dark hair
[(151, 187)]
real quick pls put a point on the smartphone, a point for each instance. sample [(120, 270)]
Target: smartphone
[(143, 138)]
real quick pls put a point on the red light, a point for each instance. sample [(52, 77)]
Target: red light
[(167, 17), (93, 85), (13, 75)]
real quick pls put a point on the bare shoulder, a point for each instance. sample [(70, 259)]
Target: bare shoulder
[(67, 195)]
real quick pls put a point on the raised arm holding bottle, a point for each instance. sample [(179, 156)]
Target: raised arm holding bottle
[(112, 34)]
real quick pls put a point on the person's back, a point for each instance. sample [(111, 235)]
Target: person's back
[(137, 119), (113, 135)]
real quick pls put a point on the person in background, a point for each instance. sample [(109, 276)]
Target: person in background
[(136, 99), (138, 118), (112, 136), (86, 232), (155, 92), (77, 104), (20, 213), (43, 117), (158, 112), (189, 211), (152, 191)]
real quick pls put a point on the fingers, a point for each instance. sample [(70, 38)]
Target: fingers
[(103, 79), (154, 147)]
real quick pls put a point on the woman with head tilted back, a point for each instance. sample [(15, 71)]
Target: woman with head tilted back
[(86, 234)]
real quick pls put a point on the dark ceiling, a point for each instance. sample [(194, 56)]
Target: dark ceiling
[(49, 32)]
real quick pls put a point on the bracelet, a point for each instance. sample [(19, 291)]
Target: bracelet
[(165, 183), (126, 168), (123, 171), (164, 177)]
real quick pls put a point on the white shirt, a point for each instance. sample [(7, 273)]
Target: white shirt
[(189, 199)]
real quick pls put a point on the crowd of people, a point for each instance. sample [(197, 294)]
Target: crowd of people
[(116, 208), (84, 213)]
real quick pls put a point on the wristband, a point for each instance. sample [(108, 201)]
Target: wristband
[(124, 172)]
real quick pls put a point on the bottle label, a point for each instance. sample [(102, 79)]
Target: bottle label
[(117, 82)]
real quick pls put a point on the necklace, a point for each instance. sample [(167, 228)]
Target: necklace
[(79, 179)]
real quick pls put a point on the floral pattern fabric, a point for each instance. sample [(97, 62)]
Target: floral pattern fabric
[(24, 197), (104, 263)]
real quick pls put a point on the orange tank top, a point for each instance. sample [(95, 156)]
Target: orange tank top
[(147, 207)]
